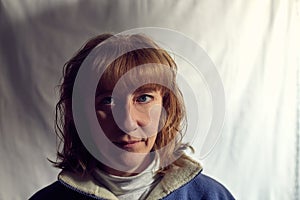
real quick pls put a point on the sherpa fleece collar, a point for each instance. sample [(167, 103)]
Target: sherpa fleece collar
[(172, 180)]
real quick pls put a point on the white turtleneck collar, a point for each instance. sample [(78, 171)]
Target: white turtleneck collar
[(131, 187)]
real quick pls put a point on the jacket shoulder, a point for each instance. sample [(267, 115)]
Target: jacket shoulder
[(212, 188), (57, 191), (202, 187)]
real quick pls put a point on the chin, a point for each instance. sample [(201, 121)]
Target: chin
[(129, 162)]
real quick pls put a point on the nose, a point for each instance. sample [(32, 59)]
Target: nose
[(126, 117)]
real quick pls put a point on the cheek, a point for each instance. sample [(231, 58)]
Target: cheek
[(101, 116), (104, 116), (155, 112), (105, 120), (155, 116), (151, 142)]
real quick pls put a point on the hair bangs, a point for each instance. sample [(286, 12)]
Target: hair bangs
[(127, 70)]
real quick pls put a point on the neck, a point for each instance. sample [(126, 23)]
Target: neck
[(134, 171)]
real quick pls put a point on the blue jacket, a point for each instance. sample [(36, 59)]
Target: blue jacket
[(184, 182)]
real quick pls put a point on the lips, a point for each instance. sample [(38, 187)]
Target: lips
[(128, 144)]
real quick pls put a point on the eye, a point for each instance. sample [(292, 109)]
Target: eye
[(145, 98), (106, 101)]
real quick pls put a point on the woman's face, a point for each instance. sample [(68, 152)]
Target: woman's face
[(130, 121)]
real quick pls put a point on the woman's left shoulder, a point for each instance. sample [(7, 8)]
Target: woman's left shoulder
[(201, 187), (209, 187), (195, 184)]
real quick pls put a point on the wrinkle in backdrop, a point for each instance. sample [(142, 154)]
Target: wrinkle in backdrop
[(253, 45)]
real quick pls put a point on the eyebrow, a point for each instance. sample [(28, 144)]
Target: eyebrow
[(146, 88)]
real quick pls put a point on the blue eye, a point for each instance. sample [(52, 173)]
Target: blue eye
[(144, 98), (107, 101)]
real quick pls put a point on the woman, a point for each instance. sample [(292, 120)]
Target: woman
[(141, 114)]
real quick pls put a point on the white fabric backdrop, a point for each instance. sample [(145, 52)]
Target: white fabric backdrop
[(252, 43)]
